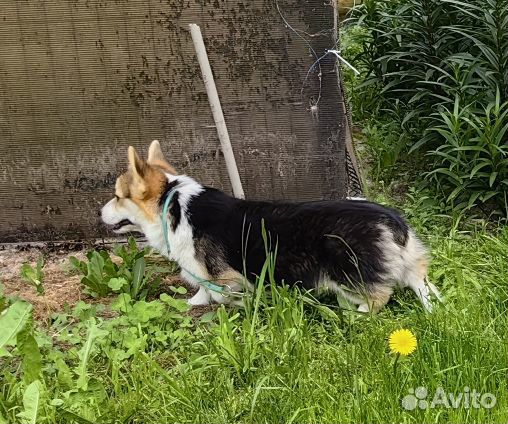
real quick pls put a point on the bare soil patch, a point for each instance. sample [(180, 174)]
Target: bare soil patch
[(62, 287)]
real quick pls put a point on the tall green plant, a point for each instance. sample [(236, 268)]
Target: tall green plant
[(439, 69), (472, 164)]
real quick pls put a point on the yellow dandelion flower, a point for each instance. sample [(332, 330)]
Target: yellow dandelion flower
[(402, 342)]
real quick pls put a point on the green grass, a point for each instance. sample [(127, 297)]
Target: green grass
[(282, 359)]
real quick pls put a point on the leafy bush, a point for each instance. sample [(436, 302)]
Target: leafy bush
[(439, 68), (97, 272), (472, 163), (102, 276)]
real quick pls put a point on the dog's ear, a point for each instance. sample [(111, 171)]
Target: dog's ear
[(135, 163), (137, 168), (156, 158), (155, 152)]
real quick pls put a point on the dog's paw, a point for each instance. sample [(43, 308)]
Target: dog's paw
[(198, 302), (364, 308), (200, 298)]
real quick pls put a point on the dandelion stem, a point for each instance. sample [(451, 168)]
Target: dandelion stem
[(395, 363)]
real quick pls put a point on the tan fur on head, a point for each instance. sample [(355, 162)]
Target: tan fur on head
[(144, 178), (144, 182)]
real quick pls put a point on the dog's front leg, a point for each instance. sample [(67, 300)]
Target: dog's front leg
[(202, 297)]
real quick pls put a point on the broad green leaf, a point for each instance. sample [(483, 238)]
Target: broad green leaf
[(478, 167), (165, 297), (145, 311), (138, 272), (96, 265), (473, 198), (447, 172), (31, 403), (12, 321), (179, 290), (122, 303), (78, 265), (32, 361), (489, 194), (134, 343), (180, 305), (72, 416), (64, 373), (27, 272), (84, 311), (492, 178), (84, 354), (116, 284)]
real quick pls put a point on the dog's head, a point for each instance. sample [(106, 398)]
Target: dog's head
[(137, 192)]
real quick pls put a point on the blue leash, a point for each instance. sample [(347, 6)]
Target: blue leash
[(210, 285)]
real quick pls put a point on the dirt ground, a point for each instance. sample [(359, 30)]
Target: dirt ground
[(62, 286)]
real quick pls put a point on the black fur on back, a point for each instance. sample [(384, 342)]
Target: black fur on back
[(174, 208), (313, 238)]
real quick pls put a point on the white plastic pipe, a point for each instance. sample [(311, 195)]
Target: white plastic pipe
[(218, 117)]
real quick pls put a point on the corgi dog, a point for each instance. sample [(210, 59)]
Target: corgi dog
[(359, 249)]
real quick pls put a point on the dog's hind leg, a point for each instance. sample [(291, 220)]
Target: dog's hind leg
[(235, 285)]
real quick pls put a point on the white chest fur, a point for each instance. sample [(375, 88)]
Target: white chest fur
[(181, 242)]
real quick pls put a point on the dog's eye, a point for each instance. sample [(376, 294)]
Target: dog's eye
[(117, 198)]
